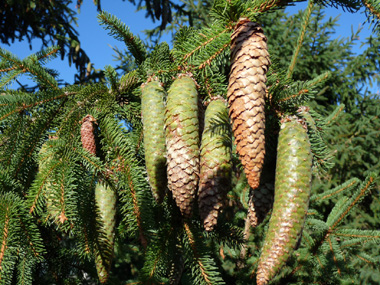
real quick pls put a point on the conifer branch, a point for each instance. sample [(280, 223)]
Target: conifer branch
[(200, 49), (9, 58), (19, 123), (29, 238), (319, 79), (348, 205), (9, 77), (321, 154), (364, 234), (8, 69), (333, 253), (87, 248), (295, 93), (332, 117), (159, 255), (155, 263), (366, 259), (4, 239), (62, 217), (266, 5), (122, 33), (203, 267), (19, 67), (91, 162), (347, 186), (294, 96), (48, 53), (84, 96), (42, 76), (111, 77), (191, 240), (373, 6), (355, 242), (24, 106), (129, 81), (206, 42), (37, 196), (306, 19), (136, 206), (24, 270), (212, 57)]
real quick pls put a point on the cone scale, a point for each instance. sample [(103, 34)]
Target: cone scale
[(291, 200), (182, 142), (215, 164), (246, 93), (153, 114)]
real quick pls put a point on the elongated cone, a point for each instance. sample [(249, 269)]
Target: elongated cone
[(291, 200), (153, 114), (259, 204), (246, 94), (105, 199), (215, 163), (87, 132), (182, 142), (52, 206)]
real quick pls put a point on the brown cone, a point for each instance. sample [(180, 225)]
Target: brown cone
[(246, 93), (259, 204), (87, 134)]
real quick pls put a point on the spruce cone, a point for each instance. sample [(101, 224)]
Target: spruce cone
[(52, 204), (87, 134), (259, 204), (246, 94), (291, 200), (182, 142), (153, 114), (215, 163), (105, 199)]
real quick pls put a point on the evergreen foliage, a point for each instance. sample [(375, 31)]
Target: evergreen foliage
[(53, 229)]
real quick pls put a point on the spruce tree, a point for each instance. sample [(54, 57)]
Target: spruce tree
[(76, 203)]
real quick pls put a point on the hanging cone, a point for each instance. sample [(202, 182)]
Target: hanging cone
[(246, 94), (182, 142), (105, 199), (87, 132), (215, 172), (259, 204), (52, 206), (291, 200), (153, 114)]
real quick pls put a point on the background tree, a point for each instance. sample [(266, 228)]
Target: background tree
[(28, 20), (54, 231)]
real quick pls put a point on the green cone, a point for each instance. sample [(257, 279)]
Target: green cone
[(182, 142), (44, 163), (153, 114), (291, 200), (105, 199), (216, 165)]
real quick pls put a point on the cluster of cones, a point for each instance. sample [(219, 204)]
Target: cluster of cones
[(191, 163)]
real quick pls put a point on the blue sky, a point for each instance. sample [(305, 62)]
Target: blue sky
[(97, 43)]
